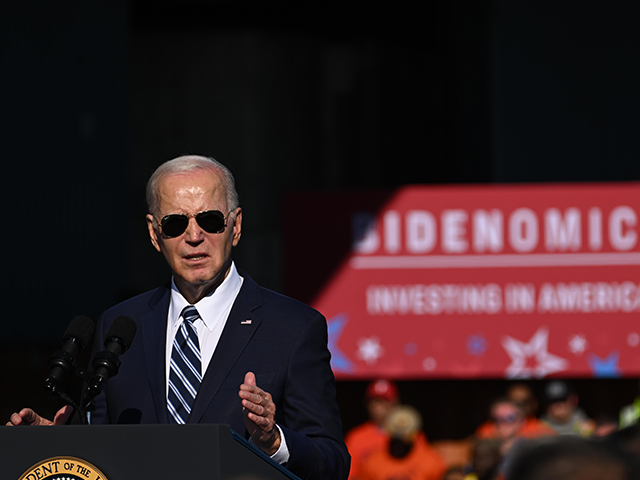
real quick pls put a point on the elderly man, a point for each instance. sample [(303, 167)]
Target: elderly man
[(213, 346)]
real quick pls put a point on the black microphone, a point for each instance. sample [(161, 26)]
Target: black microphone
[(106, 363), (63, 362)]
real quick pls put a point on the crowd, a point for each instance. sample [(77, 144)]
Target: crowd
[(516, 442)]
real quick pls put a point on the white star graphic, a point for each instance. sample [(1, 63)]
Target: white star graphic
[(577, 344), (429, 364), (536, 349), (369, 350), (633, 339)]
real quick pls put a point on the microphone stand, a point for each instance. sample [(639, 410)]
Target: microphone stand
[(53, 389)]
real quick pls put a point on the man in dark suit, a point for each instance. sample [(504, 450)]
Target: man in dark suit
[(261, 359)]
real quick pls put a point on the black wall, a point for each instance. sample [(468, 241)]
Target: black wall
[(291, 95)]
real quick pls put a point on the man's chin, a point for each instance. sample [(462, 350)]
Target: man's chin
[(200, 281)]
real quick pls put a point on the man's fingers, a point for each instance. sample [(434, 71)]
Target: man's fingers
[(63, 415), (250, 379), (258, 403), (256, 409), (259, 420), (257, 397), (259, 413), (14, 420), (26, 416)]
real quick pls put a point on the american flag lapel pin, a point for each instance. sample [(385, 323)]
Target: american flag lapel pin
[(246, 322)]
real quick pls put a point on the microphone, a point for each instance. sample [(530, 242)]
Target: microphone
[(106, 363), (63, 362)]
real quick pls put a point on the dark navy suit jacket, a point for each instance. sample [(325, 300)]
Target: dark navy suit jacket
[(284, 344)]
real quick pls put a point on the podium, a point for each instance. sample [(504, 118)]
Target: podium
[(133, 452)]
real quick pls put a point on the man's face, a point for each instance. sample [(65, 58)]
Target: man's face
[(199, 260), (379, 409), (523, 396), (508, 420), (561, 411)]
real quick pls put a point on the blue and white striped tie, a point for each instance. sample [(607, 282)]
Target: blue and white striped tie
[(185, 373)]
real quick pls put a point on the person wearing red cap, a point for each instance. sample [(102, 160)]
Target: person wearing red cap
[(380, 398)]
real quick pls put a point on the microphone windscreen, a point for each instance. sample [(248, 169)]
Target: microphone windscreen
[(123, 328), (82, 328)]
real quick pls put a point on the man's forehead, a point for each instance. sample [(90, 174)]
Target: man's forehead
[(190, 187), (520, 393), (504, 406)]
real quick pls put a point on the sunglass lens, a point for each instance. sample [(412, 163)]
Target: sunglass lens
[(174, 225), (211, 221), (507, 418)]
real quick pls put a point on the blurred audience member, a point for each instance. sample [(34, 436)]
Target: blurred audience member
[(508, 424), (487, 460), (630, 414), (605, 424), (454, 473), (407, 455), (570, 458), (627, 439), (562, 413), (522, 395), (381, 396), (509, 420)]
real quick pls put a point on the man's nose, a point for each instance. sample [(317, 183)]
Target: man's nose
[(194, 232)]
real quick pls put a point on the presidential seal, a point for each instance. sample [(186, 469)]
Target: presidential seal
[(63, 468)]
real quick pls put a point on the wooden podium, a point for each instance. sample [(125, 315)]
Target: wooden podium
[(134, 452)]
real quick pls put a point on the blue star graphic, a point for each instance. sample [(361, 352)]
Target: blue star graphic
[(605, 367), (476, 345), (339, 361), (410, 349)]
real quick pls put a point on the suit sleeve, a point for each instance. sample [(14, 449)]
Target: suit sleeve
[(310, 418)]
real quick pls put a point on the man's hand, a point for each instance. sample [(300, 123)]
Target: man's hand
[(26, 416), (259, 415)]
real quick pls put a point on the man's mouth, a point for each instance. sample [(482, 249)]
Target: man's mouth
[(195, 257)]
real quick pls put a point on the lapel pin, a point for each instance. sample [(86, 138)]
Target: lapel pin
[(246, 322)]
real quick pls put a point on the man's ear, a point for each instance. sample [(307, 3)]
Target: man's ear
[(153, 234), (237, 226)]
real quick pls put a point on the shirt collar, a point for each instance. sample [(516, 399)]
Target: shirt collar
[(211, 306)]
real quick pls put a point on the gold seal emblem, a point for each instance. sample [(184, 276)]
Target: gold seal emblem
[(63, 468)]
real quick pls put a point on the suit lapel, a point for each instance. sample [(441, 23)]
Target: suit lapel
[(154, 331), (235, 336)]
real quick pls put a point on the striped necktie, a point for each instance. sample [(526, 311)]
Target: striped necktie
[(185, 373)]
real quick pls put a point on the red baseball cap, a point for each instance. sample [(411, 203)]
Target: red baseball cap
[(384, 389)]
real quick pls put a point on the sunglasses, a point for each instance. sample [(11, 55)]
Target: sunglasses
[(211, 221), (510, 418)]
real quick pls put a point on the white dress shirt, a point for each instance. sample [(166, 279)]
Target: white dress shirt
[(214, 311)]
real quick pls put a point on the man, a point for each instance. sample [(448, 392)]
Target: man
[(522, 395), (380, 398), (563, 413), (509, 420), (238, 336)]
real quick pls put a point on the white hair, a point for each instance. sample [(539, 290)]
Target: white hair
[(190, 163)]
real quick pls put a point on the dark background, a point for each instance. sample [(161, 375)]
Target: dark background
[(291, 96)]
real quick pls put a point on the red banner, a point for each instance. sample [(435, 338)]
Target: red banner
[(468, 282)]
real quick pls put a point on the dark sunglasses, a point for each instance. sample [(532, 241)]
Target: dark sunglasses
[(510, 418), (211, 221)]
